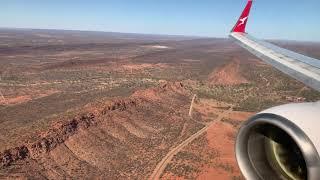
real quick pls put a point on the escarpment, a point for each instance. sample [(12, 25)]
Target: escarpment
[(117, 138)]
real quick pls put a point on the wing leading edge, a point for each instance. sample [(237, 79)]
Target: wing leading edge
[(300, 67)]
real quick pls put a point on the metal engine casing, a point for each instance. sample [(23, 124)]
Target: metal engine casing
[(300, 121)]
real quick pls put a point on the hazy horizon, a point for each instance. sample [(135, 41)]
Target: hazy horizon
[(149, 34), (268, 20)]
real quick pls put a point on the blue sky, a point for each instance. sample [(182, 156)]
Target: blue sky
[(276, 19)]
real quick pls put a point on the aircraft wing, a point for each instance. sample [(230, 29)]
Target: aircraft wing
[(300, 67), (281, 142)]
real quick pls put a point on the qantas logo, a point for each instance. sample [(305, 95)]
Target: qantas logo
[(243, 20)]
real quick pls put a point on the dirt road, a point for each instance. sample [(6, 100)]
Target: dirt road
[(166, 160)]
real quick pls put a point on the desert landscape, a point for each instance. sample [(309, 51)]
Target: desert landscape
[(97, 105)]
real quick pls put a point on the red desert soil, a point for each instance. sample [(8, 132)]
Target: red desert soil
[(227, 75), (153, 93), (122, 66), (14, 100), (221, 137), (111, 139), (142, 66), (136, 68), (28, 95)]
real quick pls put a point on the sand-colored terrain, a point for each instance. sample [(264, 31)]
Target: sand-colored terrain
[(95, 105), (216, 159), (120, 138), (227, 75), (25, 96)]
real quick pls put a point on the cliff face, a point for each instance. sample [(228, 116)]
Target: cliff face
[(59, 134), (121, 138)]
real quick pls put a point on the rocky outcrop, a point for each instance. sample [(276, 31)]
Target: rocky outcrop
[(62, 130), (60, 133)]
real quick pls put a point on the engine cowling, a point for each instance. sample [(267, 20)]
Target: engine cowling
[(281, 143)]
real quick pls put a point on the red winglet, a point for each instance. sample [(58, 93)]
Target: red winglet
[(242, 22)]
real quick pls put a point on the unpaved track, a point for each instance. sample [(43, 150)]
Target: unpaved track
[(166, 160)]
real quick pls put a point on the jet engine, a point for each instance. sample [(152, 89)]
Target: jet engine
[(281, 143)]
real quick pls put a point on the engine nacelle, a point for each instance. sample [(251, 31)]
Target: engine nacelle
[(281, 143)]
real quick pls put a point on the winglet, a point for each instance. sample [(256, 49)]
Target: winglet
[(242, 21)]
